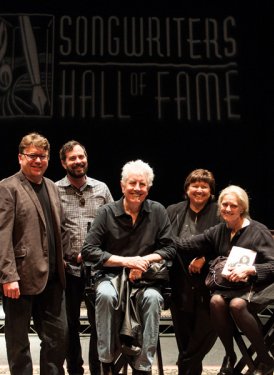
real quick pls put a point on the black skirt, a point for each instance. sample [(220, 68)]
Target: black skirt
[(258, 296)]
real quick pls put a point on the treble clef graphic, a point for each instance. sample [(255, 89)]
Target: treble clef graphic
[(5, 70)]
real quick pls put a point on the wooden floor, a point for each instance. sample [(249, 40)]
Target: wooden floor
[(169, 370)]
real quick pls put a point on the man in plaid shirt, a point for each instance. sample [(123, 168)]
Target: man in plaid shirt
[(81, 197)]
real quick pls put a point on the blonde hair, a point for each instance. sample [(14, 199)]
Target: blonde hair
[(241, 196)]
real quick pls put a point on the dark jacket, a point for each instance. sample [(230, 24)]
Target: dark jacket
[(185, 287), (24, 255), (217, 240)]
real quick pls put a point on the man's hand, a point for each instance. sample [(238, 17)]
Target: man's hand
[(134, 274), (11, 290), (137, 262)]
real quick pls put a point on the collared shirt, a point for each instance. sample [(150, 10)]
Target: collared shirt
[(113, 233), (80, 207)]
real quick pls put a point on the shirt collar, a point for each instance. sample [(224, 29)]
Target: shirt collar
[(65, 182), (119, 207)]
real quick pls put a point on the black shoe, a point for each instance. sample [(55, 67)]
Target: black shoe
[(140, 372), (130, 350), (228, 365), (107, 368), (95, 370), (264, 369)]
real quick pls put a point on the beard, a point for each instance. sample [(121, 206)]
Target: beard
[(75, 174)]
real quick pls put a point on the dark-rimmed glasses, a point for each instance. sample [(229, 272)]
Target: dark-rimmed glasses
[(35, 156)]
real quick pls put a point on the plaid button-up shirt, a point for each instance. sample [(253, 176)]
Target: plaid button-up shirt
[(80, 207)]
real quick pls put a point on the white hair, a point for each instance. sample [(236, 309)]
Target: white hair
[(140, 168)]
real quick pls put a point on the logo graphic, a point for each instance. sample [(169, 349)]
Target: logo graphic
[(26, 65)]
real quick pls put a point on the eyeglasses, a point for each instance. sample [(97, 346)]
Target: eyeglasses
[(36, 156), (82, 200)]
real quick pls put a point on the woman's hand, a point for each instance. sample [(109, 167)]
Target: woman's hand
[(241, 272), (196, 265)]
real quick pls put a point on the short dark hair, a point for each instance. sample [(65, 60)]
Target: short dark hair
[(68, 146), (201, 175)]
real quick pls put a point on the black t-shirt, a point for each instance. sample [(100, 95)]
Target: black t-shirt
[(42, 194), (190, 225)]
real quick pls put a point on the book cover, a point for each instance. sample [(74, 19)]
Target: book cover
[(237, 256)]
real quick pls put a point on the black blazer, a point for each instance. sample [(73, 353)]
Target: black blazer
[(185, 286)]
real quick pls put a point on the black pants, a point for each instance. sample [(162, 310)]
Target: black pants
[(74, 296), (49, 317), (195, 336)]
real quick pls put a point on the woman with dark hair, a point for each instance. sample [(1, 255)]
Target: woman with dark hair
[(190, 297)]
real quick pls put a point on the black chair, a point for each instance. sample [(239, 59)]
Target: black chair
[(266, 321)]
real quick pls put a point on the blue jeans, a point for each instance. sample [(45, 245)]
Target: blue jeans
[(108, 322)]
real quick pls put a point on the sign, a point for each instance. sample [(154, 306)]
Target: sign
[(179, 85)]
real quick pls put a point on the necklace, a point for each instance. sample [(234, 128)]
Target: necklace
[(82, 200)]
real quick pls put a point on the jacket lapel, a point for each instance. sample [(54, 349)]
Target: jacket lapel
[(28, 188)]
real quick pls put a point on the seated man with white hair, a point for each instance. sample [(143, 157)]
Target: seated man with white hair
[(130, 233)]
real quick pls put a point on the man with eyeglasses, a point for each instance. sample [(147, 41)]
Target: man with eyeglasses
[(81, 197), (33, 241)]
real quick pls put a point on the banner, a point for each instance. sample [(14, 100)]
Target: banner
[(179, 86)]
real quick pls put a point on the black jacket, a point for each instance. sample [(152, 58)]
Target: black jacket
[(187, 288)]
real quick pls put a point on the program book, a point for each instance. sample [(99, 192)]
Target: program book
[(238, 256)]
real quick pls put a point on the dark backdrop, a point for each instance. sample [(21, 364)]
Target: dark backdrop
[(122, 118)]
